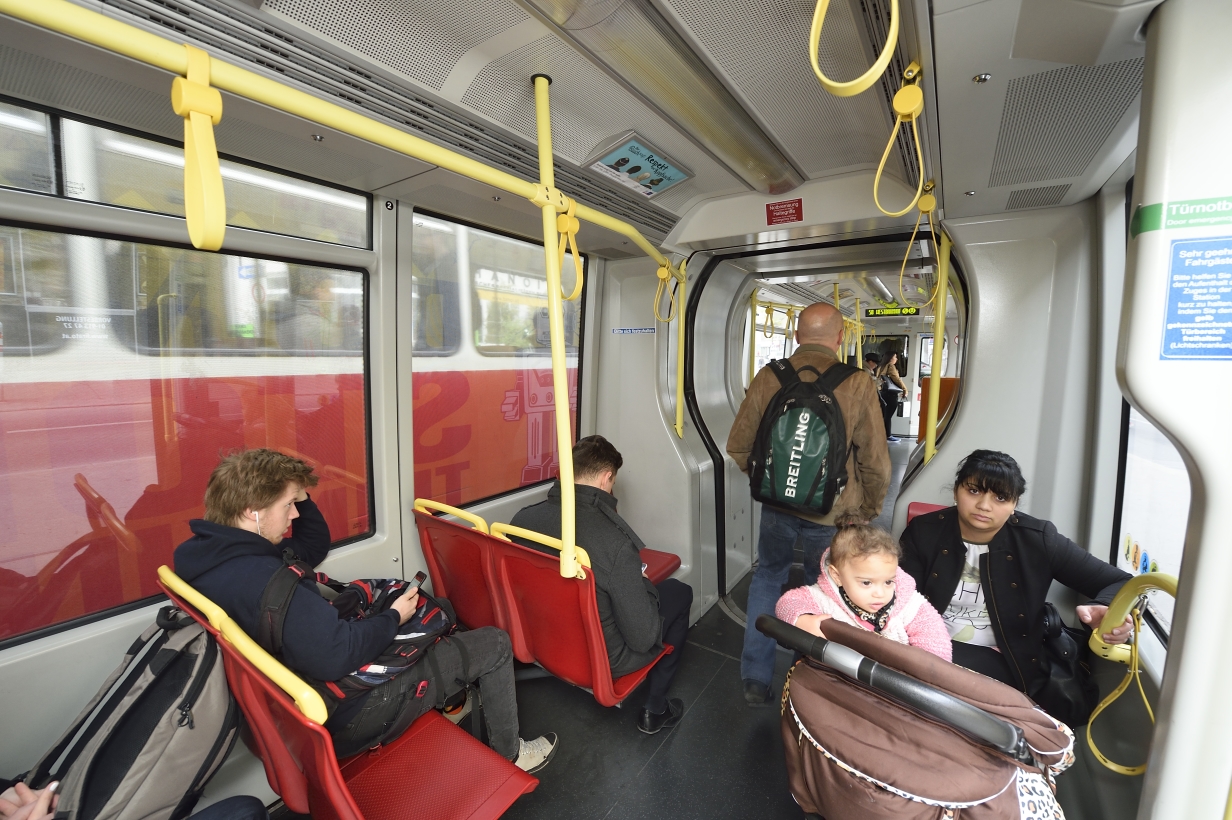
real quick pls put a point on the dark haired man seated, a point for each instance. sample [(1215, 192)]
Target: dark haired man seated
[(637, 617), (250, 501)]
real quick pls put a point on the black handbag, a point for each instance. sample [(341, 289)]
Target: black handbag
[(1069, 694)]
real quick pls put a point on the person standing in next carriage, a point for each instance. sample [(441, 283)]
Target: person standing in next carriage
[(891, 387), (819, 332)]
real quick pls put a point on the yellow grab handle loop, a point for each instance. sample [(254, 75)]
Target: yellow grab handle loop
[(908, 105), (852, 87), (664, 274), (789, 330), (568, 226), (768, 330), (928, 204), (1133, 673), (205, 206)]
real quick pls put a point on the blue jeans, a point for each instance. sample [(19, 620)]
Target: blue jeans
[(775, 544)]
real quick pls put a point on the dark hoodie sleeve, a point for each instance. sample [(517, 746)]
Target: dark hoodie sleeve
[(1080, 570), (323, 646), (309, 535)]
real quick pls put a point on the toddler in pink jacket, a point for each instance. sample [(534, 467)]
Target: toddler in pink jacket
[(862, 585)]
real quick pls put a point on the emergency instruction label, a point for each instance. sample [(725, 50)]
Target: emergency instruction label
[(1198, 317)]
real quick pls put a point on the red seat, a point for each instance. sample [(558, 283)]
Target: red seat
[(467, 779), (554, 621), (460, 568), (659, 565), (920, 508)]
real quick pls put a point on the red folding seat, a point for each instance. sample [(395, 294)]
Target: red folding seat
[(920, 508), (284, 714), (554, 621), (460, 564), (659, 565)]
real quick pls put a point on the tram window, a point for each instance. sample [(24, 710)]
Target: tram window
[(775, 346), (119, 169), (1154, 509), (106, 451), (25, 150), (482, 380)]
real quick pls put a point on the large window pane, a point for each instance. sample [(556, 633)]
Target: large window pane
[(482, 378), (1155, 509), (112, 415), (119, 169), (25, 150)]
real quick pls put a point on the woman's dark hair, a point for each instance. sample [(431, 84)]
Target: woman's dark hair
[(991, 471)]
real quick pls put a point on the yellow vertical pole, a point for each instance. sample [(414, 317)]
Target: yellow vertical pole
[(934, 378), (556, 328), (752, 335), (680, 355), (859, 336)]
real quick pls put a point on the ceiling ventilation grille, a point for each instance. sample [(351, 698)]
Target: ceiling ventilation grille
[(1056, 121), (246, 40), (1036, 197)]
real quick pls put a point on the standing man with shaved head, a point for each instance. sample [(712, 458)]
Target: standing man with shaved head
[(819, 332)]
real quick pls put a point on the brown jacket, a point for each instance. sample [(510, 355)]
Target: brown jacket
[(890, 372), (868, 465)]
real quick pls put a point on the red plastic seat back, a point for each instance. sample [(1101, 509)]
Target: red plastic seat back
[(920, 508), (553, 620), (460, 564), (298, 754)]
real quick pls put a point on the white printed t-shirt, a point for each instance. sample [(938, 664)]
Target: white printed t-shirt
[(966, 617)]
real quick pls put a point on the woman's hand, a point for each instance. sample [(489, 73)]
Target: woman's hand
[(812, 624), (1092, 614), (23, 803)]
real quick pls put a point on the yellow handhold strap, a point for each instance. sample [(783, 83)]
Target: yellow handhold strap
[(768, 332), (664, 275), (908, 105), (205, 206), (568, 226), (865, 80), (928, 204), (1134, 673)]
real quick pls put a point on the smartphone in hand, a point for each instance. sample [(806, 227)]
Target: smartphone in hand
[(419, 579)]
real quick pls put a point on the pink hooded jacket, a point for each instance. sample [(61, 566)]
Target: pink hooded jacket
[(913, 621)]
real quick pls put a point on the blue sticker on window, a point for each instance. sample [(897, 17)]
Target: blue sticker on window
[(1198, 317)]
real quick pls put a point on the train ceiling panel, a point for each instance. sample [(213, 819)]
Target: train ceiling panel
[(760, 49)]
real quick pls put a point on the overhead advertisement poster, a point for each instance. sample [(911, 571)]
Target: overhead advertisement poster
[(637, 166)]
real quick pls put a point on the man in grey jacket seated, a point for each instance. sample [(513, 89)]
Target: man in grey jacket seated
[(637, 617)]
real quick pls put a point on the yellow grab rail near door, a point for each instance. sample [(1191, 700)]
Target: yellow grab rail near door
[(939, 331), (194, 101)]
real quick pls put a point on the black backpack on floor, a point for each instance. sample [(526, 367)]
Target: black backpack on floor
[(153, 736), (799, 458)]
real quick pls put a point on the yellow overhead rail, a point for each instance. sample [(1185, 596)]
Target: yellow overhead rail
[(852, 328), (1129, 600), (196, 98), (851, 87)]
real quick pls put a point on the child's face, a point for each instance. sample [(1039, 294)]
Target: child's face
[(868, 580)]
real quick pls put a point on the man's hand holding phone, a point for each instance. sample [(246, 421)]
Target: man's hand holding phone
[(406, 603)]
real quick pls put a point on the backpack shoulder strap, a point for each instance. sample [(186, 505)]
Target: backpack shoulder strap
[(835, 375), (276, 600), (784, 371)]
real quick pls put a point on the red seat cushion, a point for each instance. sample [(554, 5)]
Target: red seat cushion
[(920, 508), (459, 567), (659, 565)]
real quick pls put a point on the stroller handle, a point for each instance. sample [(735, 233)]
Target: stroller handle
[(957, 713)]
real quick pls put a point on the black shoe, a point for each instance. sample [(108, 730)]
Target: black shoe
[(755, 693), (650, 722)]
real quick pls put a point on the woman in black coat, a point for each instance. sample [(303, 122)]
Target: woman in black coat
[(987, 569)]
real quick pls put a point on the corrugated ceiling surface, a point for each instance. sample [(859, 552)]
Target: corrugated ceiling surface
[(422, 39), (762, 47), (588, 108)]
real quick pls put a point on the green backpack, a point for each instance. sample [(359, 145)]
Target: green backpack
[(799, 458)]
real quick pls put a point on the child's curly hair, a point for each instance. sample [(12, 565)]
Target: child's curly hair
[(862, 540)]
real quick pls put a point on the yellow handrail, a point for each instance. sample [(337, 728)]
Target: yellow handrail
[(851, 87), (939, 331), (503, 531), (427, 505), (1129, 600), (305, 697)]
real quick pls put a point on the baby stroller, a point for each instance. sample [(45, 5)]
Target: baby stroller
[(876, 729)]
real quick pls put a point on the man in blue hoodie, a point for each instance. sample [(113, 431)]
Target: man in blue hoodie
[(251, 500)]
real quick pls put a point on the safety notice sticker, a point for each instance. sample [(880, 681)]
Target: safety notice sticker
[(1199, 304)]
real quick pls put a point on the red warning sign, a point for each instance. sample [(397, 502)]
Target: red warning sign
[(780, 213)]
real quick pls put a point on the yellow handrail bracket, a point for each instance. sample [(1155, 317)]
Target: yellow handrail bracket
[(205, 208)]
